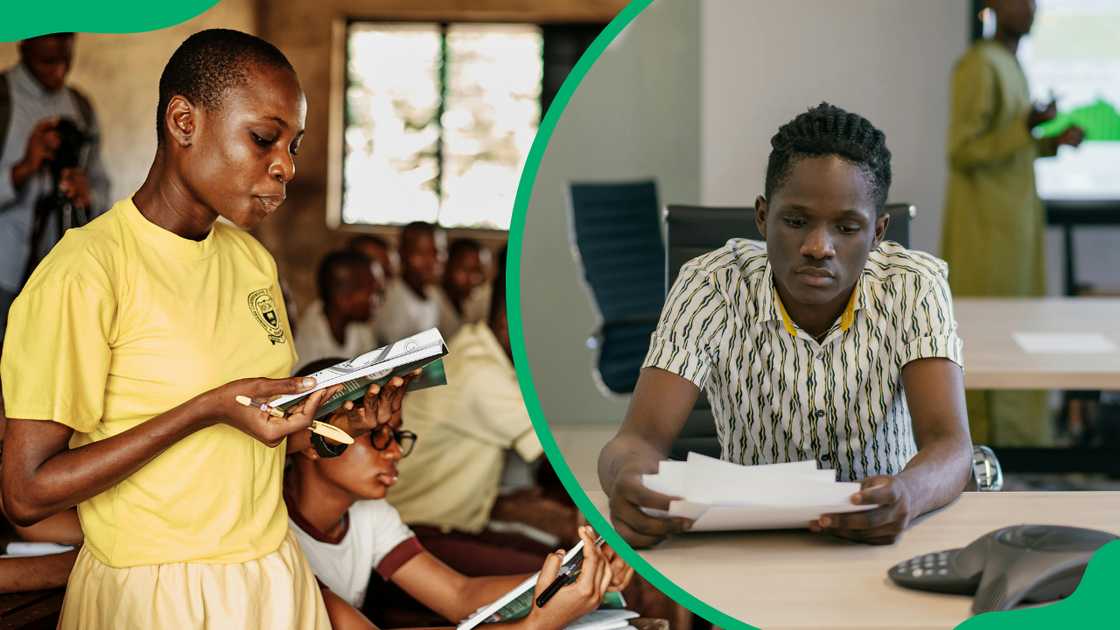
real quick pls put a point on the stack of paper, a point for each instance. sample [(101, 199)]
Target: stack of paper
[(719, 495)]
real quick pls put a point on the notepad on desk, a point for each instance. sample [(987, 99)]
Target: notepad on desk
[(719, 495), (518, 603)]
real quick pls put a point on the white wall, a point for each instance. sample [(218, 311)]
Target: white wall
[(635, 115), (888, 60)]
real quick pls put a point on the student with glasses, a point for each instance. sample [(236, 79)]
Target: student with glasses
[(335, 498)]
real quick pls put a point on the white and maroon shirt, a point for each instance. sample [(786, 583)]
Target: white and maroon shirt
[(375, 539)]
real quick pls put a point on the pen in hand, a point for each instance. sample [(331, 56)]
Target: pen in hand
[(567, 574), (322, 428)]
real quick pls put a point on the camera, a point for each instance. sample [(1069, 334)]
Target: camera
[(71, 142), (54, 211)]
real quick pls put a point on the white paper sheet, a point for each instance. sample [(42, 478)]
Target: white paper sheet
[(605, 619), (668, 480), (719, 495), (1064, 343), (719, 517), (716, 482)]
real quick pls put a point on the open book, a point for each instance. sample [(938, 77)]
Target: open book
[(519, 602), (423, 350)]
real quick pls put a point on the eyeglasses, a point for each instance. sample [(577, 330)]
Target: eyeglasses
[(383, 435)]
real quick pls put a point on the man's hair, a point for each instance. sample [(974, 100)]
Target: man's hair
[(362, 239), (331, 282), (462, 246), (211, 62), (829, 130), (414, 230)]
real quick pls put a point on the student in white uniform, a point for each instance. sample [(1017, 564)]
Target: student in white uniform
[(463, 295), (411, 300), (338, 323), (346, 529)]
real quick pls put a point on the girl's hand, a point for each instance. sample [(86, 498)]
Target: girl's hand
[(257, 423), (578, 598), (380, 405)]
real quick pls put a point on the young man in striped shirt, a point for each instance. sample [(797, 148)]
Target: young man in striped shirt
[(822, 343)]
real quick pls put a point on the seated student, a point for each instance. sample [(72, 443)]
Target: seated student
[(346, 529), (52, 570), (463, 298), (823, 343), (450, 486), (337, 324), (376, 249), (32, 573), (143, 328), (411, 305)]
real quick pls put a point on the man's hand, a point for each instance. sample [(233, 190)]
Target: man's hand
[(41, 145), (627, 497), (879, 526), (75, 185), (1071, 136), (1039, 115)]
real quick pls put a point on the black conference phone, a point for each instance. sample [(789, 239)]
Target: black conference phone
[(1022, 563)]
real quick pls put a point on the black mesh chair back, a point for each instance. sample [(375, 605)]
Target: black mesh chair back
[(618, 241)]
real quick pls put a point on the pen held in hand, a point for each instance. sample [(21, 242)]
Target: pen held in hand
[(322, 428), (248, 402), (567, 574)]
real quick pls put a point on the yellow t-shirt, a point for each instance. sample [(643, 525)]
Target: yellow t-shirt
[(452, 477), (120, 323)]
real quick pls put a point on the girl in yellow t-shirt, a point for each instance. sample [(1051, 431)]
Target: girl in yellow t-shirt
[(125, 352)]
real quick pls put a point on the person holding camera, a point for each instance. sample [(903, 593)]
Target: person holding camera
[(51, 174)]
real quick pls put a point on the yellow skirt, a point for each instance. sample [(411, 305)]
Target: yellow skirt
[(277, 591)]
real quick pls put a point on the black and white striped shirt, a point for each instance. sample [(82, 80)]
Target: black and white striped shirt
[(776, 393)]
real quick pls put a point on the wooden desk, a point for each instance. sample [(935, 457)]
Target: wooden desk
[(992, 359), (794, 579), (580, 444), (33, 610)]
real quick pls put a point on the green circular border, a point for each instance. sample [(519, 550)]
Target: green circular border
[(1090, 605), (521, 361)]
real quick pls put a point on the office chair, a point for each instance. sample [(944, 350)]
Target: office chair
[(618, 242)]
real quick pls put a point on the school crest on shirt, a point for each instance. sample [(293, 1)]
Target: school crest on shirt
[(263, 308)]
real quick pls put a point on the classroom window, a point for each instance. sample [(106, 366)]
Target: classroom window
[(439, 119)]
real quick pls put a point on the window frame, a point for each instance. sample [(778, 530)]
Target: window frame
[(339, 110)]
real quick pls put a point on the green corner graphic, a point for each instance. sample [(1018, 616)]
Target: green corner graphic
[(521, 361), (1099, 119), (27, 19)]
